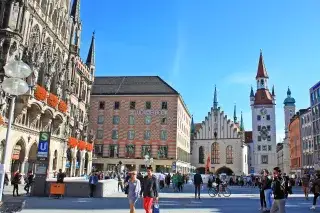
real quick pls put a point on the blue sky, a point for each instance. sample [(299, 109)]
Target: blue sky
[(194, 45)]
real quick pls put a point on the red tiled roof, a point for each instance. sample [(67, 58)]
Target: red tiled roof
[(262, 72), (248, 137), (263, 97)]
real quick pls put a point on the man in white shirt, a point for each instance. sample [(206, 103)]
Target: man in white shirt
[(162, 177)]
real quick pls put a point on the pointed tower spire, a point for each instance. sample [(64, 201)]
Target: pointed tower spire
[(251, 92), (273, 93), (241, 123), (262, 72), (91, 53), (235, 119), (75, 10), (192, 126), (215, 98)]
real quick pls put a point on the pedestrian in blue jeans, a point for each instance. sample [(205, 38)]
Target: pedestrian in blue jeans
[(266, 185), (133, 191)]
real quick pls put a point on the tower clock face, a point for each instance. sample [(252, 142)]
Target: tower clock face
[(263, 111), (264, 132)]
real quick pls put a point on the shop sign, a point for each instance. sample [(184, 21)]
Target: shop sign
[(150, 112)]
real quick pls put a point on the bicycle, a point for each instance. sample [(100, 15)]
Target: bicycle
[(224, 190)]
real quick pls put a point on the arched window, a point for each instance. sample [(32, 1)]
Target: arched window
[(215, 159), (229, 154), (201, 155)]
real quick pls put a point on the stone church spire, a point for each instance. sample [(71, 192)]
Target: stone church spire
[(235, 119), (91, 54), (215, 98), (241, 123)]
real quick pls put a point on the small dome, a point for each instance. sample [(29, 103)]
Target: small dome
[(289, 101)]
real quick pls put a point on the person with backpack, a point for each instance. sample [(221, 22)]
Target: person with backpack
[(266, 187), (315, 189), (279, 192)]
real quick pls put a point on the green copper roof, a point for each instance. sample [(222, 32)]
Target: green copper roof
[(289, 101)]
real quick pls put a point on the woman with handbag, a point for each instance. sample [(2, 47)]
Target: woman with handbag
[(134, 188)]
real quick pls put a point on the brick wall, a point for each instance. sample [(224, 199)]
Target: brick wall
[(139, 127)]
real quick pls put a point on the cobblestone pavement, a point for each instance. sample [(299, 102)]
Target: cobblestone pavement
[(241, 200)]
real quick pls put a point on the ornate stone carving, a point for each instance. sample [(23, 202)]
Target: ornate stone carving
[(33, 123), (47, 127), (59, 91), (18, 119)]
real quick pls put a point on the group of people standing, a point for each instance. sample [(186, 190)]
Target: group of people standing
[(277, 185)]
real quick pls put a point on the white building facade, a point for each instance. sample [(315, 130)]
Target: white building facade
[(217, 144), (263, 104)]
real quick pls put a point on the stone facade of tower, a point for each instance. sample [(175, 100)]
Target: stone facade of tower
[(46, 34), (218, 144), (289, 112), (263, 123)]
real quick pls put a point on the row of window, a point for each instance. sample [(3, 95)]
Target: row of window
[(265, 148), (131, 120), (315, 96), (215, 154), (162, 151), (267, 117), (132, 105), (131, 134), (315, 112)]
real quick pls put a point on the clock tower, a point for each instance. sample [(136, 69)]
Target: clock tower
[(263, 155)]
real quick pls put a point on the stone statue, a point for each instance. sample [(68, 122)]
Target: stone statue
[(66, 130), (76, 114), (59, 91), (77, 133), (52, 66), (47, 81), (3, 103)]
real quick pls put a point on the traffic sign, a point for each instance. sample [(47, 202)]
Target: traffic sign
[(43, 146)]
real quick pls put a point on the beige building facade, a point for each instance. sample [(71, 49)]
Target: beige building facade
[(218, 144), (135, 117), (46, 35)]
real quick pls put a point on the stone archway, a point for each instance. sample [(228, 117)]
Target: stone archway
[(225, 170), (18, 156), (32, 157)]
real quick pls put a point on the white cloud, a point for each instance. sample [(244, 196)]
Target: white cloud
[(240, 78)]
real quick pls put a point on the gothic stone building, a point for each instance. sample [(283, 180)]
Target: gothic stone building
[(45, 34), (218, 144)]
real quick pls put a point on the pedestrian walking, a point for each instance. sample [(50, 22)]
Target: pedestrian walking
[(197, 181), (150, 190), (279, 192), (93, 181), (60, 176), (263, 204), (16, 180), (162, 177), (30, 179), (305, 185), (120, 183), (133, 191), (315, 188), (266, 186)]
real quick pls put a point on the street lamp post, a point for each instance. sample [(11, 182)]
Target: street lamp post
[(14, 86)]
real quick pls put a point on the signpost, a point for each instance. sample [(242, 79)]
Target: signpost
[(43, 159)]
